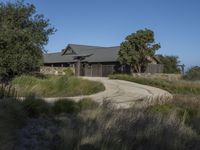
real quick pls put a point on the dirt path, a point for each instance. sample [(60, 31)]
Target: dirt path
[(124, 93)]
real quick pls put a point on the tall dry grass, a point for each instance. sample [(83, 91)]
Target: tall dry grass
[(55, 86), (174, 87)]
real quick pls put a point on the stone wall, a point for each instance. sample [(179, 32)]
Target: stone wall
[(159, 75), (53, 70)]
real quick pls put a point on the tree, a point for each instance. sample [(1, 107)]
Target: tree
[(170, 63), (137, 48), (23, 34)]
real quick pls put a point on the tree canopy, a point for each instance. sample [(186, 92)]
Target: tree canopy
[(170, 63), (137, 48), (23, 34)]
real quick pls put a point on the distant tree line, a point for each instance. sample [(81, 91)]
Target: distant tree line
[(171, 63)]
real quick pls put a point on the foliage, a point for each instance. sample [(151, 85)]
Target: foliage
[(116, 129), (65, 106), (7, 91), (36, 107), (170, 63), (174, 125), (174, 87), (55, 86), (68, 72), (137, 48), (192, 74), (23, 34), (87, 103), (12, 116)]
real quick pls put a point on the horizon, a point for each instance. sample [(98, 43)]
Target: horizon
[(107, 23)]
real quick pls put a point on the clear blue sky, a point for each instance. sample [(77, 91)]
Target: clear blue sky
[(176, 23)]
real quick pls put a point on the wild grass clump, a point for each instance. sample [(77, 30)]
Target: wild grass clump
[(7, 91), (65, 106), (68, 71), (74, 125), (55, 86), (192, 74), (87, 103), (174, 87), (12, 116), (111, 129), (36, 107)]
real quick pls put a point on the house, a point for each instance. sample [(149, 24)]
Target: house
[(89, 60)]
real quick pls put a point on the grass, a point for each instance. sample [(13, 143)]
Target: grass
[(35, 124), (12, 116), (175, 125), (174, 87), (193, 74), (55, 86)]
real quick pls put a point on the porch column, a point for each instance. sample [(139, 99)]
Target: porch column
[(78, 67)]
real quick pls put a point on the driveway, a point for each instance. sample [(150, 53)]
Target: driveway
[(124, 94)]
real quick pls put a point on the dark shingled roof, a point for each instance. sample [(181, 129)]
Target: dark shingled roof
[(96, 54)]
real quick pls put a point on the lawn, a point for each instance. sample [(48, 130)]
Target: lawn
[(55, 86)]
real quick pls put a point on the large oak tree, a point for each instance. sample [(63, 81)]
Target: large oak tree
[(23, 34), (137, 48)]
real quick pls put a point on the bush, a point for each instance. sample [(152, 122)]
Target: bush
[(68, 72), (192, 74), (87, 103), (36, 107), (65, 106)]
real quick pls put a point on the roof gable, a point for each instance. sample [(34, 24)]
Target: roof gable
[(93, 53)]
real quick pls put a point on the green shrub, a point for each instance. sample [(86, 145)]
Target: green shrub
[(192, 74), (68, 71), (36, 107), (65, 106), (87, 103)]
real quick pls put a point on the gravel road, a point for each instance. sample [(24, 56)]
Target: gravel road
[(123, 94)]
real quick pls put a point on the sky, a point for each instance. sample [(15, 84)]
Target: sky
[(176, 23)]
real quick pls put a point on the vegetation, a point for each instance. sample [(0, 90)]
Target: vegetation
[(55, 86), (174, 87), (23, 34), (170, 63), (137, 49), (7, 91), (69, 72), (65, 106), (174, 125), (36, 107), (12, 116), (192, 74)]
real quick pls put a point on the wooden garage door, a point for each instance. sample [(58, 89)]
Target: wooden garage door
[(107, 70), (96, 70)]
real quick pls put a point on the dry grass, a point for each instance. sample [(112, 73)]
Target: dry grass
[(174, 87), (174, 125)]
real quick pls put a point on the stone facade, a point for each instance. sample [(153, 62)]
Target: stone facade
[(54, 70), (164, 76)]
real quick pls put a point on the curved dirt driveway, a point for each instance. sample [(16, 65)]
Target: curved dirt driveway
[(124, 93)]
